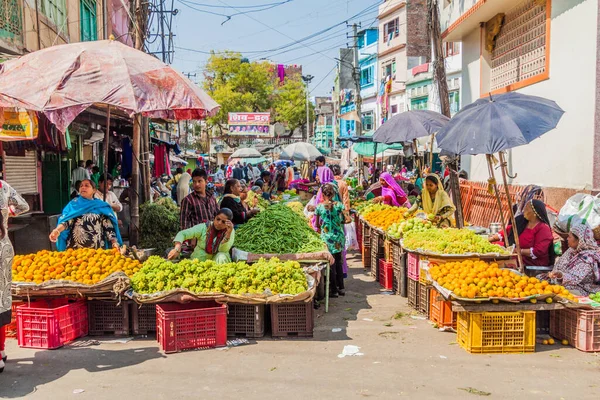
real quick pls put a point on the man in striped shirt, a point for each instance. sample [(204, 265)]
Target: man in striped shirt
[(198, 207)]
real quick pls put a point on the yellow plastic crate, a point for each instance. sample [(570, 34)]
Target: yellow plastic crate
[(496, 332)]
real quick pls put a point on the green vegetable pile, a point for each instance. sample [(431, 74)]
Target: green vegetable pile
[(279, 277), (159, 223), (278, 230), (595, 297)]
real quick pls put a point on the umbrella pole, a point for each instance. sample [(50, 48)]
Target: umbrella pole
[(431, 152), (497, 195), (416, 157), (503, 166), (106, 144), (374, 162)]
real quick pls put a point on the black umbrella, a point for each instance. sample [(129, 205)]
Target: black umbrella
[(410, 125), (495, 124)]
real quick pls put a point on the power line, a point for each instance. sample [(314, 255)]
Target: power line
[(228, 17)]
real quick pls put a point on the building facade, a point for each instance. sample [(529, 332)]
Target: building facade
[(324, 138), (403, 44), (369, 78), (546, 48)]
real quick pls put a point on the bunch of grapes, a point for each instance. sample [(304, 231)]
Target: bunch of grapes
[(278, 277), (450, 241), (396, 230)]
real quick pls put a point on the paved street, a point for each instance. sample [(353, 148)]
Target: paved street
[(403, 357)]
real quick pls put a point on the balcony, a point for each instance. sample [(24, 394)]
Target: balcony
[(460, 17), (388, 7), (11, 26)]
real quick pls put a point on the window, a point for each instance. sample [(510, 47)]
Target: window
[(389, 69), (329, 121), (361, 40), (89, 30), (419, 104), (394, 109), (454, 98), (366, 76), (55, 11), (520, 48), (391, 30), (367, 121), (10, 19), (451, 49)]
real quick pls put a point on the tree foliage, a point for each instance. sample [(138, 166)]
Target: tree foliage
[(242, 86)]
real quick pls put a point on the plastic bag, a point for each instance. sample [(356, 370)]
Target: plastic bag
[(351, 239), (580, 209)]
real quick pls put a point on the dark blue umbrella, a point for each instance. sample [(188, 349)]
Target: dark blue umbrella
[(496, 123), (410, 125)]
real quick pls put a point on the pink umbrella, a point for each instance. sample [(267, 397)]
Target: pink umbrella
[(62, 81)]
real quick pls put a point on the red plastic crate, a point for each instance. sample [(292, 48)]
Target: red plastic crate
[(386, 274), (440, 311), (191, 326), (412, 266), (49, 324), (580, 327)]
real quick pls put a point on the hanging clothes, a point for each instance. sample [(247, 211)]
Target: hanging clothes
[(161, 161), (127, 158)]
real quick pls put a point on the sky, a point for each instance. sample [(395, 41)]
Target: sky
[(257, 35)]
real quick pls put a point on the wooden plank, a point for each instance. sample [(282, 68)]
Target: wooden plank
[(505, 307)]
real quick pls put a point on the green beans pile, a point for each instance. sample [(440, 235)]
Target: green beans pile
[(278, 230)]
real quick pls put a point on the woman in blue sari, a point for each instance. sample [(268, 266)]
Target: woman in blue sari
[(87, 222)]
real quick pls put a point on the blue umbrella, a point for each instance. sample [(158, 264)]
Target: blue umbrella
[(491, 125), (410, 125)]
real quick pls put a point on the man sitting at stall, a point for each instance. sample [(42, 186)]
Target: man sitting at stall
[(213, 239), (198, 207), (105, 186)]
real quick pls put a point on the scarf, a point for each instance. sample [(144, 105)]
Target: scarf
[(394, 191), (442, 200), (81, 206), (214, 238)]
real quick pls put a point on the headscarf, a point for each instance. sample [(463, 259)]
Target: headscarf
[(80, 206), (539, 208), (214, 238), (587, 252), (326, 176), (393, 190), (441, 201)]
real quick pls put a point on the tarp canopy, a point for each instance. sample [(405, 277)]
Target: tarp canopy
[(368, 149)]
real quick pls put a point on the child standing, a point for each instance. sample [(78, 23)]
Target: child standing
[(330, 223)]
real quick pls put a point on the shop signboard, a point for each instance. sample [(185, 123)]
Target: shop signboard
[(249, 124), (18, 125)]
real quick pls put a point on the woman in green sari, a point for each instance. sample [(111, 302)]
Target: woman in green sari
[(213, 239)]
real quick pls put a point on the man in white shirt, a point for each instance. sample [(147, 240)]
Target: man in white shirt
[(220, 174), (255, 172), (79, 174), (104, 185)]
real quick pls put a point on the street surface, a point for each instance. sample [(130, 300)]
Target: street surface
[(403, 358)]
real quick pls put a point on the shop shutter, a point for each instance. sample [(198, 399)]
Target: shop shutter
[(21, 172)]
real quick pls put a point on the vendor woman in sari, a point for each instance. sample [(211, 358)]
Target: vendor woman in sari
[(435, 201), (391, 193), (214, 239), (535, 235), (87, 222), (578, 268)]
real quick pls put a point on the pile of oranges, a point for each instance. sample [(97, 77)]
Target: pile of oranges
[(385, 217), (87, 266), (478, 279)]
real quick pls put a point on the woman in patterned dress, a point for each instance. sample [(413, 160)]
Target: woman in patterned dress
[(11, 204), (87, 222)]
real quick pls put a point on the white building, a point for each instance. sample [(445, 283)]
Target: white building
[(546, 48), (369, 78)]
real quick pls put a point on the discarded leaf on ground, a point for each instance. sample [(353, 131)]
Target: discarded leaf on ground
[(348, 309), (475, 391), (387, 324), (273, 369)]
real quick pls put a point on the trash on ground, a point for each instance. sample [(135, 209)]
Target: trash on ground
[(350, 350)]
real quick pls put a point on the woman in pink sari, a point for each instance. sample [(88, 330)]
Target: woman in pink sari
[(391, 193)]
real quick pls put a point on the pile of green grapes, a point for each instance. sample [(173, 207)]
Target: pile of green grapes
[(450, 241), (280, 277)]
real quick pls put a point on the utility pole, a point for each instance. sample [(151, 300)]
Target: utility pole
[(439, 76), (356, 74), (307, 79), (137, 125)]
